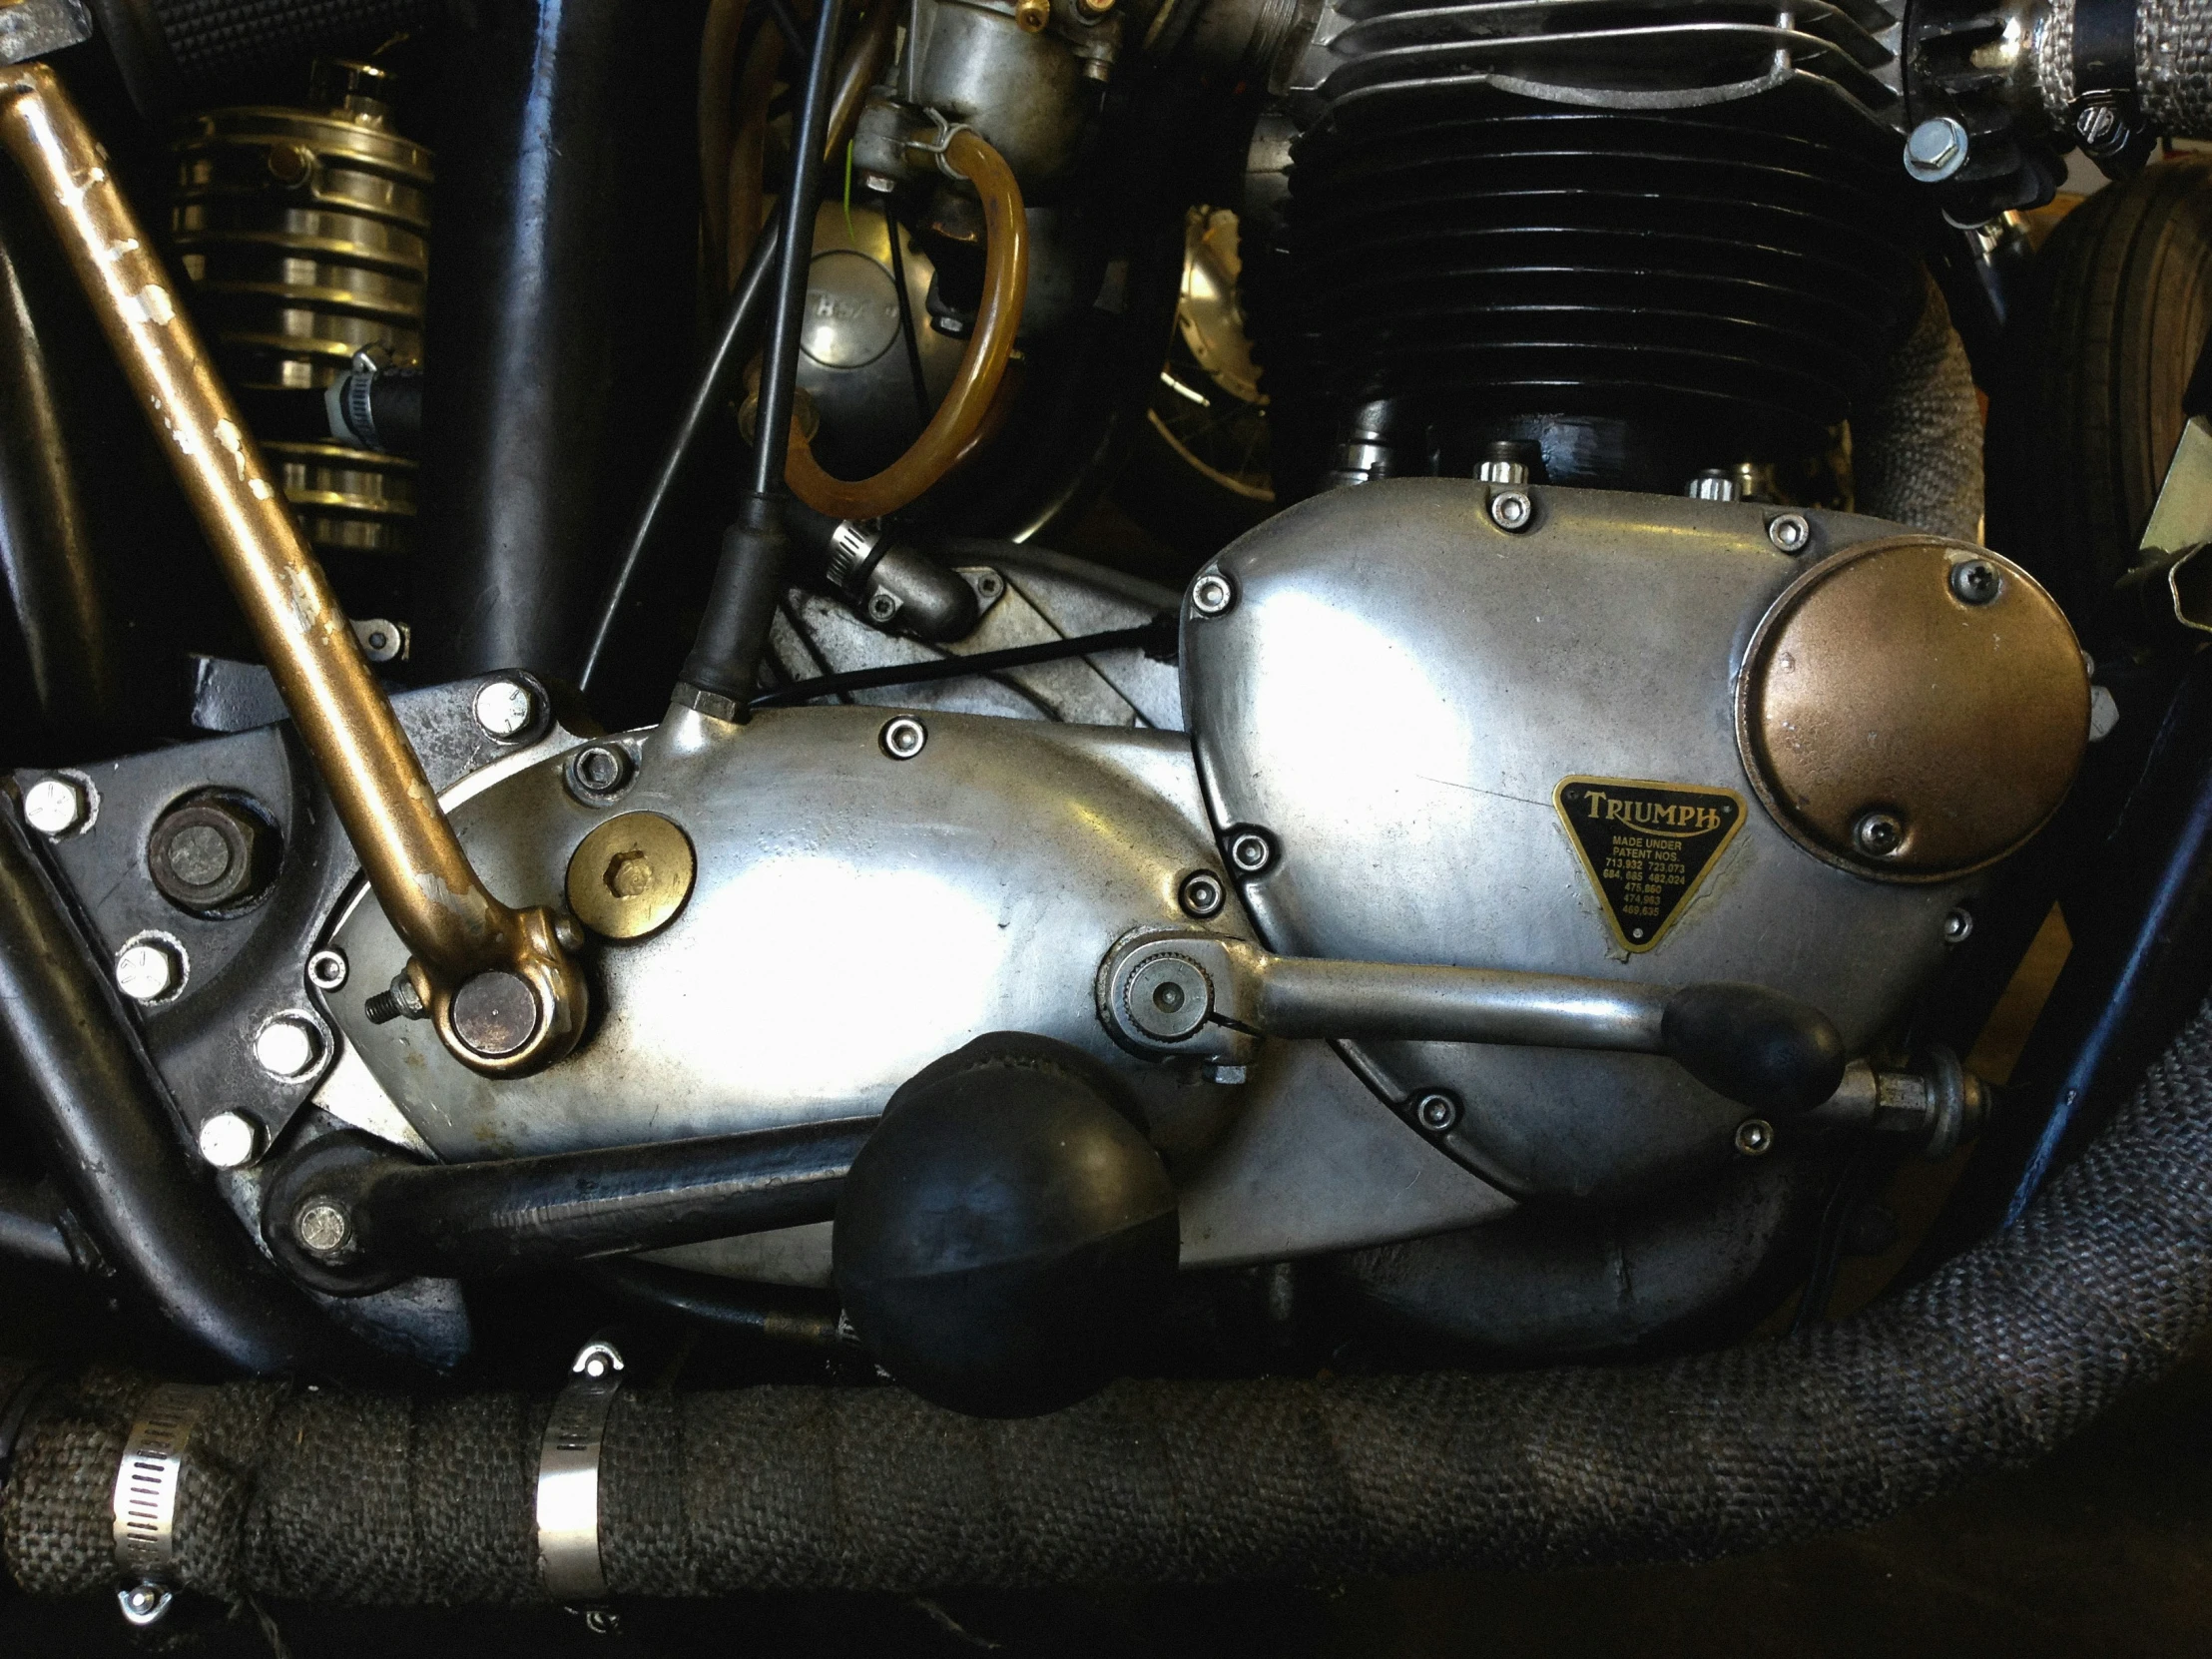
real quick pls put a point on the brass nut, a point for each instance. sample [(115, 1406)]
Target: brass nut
[(630, 876)]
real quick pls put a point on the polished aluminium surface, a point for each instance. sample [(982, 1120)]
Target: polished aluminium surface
[(1395, 698), (1927, 688), (569, 1563), (454, 926), (853, 919)]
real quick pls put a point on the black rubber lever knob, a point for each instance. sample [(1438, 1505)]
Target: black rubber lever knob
[(1756, 1046)]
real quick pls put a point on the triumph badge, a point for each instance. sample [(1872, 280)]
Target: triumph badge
[(1646, 847)]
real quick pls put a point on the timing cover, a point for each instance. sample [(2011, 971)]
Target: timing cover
[(1413, 702)]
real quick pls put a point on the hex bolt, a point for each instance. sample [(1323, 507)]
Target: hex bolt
[(1878, 834), (1437, 1112), (1168, 997), (230, 1140), (1202, 894), (321, 1228), (505, 707), (1975, 582), (1936, 149), (1959, 927), (287, 1045), (1213, 594), (1789, 532), (54, 806), (327, 969), (1713, 484), (1512, 510), (211, 853), (1755, 1137), (147, 970), (901, 739), (495, 1014), (399, 1001), (1250, 851), (599, 770)]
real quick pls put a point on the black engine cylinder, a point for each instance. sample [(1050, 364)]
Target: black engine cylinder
[(1644, 293)]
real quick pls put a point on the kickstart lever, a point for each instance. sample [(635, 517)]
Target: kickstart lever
[(1202, 996)]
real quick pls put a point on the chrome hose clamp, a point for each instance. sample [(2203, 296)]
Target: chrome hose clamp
[(145, 1501), (945, 127), (568, 1477)]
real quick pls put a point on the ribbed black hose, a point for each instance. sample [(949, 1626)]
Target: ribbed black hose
[(1993, 1360)]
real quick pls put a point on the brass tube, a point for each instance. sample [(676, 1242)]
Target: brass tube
[(421, 875)]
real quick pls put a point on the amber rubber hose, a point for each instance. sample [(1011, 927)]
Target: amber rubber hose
[(952, 432)]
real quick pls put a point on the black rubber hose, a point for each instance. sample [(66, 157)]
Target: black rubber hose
[(72, 1071), (1991, 1362)]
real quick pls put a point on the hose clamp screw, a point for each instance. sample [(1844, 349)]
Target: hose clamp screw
[(1755, 1137), (1789, 533), (1213, 594), (901, 739), (1512, 510), (1437, 1112)]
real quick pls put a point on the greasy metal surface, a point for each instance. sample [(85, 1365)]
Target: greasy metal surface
[(454, 926), (1395, 694), (630, 876), (855, 918), (1872, 688)]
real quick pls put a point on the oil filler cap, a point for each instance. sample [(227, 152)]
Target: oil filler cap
[(1912, 708)]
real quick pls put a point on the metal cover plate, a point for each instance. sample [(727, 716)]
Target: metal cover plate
[(1397, 695)]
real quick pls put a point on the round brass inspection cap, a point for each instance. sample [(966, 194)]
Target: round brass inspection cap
[(630, 876), (1912, 708)]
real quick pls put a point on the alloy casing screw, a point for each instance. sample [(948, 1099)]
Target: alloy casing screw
[(1755, 1137), (327, 969), (1959, 927), (1512, 510), (321, 1228), (1213, 594), (902, 739), (54, 806), (1250, 851), (1789, 533), (1437, 1112), (1202, 894), (1878, 834), (230, 1140), (505, 707), (1975, 582), (598, 772)]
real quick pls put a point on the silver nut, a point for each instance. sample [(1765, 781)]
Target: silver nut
[(327, 969), (1213, 594), (1936, 149), (1437, 1112), (1959, 927), (1250, 851), (321, 1228), (1202, 894), (901, 739), (1789, 533), (147, 970), (54, 806), (288, 1045), (1512, 510), (1168, 997), (1755, 1137), (505, 707), (1975, 582), (1878, 834), (230, 1140)]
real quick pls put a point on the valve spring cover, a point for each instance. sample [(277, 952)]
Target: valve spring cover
[(1729, 278)]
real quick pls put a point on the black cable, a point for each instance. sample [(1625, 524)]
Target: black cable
[(906, 318), (740, 323), (788, 23), (1157, 638)]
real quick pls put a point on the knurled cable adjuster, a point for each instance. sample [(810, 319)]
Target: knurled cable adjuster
[(145, 1502), (569, 1565)]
